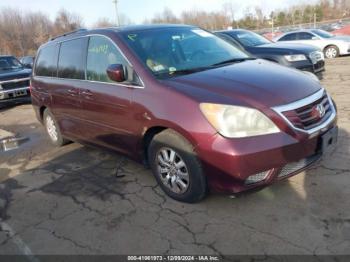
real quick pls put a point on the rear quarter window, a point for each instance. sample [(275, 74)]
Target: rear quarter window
[(46, 64), (71, 61)]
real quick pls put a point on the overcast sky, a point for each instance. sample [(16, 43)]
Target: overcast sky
[(139, 10)]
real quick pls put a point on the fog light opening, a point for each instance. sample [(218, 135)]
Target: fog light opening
[(253, 179)]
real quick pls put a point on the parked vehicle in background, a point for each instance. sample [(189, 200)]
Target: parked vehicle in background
[(27, 61), (342, 31), (198, 110), (271, 35), (331, 45), (14, 80), (304, 57)]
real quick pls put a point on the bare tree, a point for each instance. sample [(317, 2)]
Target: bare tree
[(12, 31), (124, 19), (167, 16), (260, 16), (66, 22), (103, 22)]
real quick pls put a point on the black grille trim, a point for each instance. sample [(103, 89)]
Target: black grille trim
[(13, 85)]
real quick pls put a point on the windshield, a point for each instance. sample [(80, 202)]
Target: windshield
[(9, 63), (322, 33), (170, 51), (248, 38)]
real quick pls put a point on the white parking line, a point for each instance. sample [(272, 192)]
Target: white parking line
[(24, 249)]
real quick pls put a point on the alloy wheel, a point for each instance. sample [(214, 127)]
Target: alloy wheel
[(331, 52), (172, 170), (51, 128)]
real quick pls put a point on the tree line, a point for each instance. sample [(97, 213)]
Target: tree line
[(22, 33), (254, 17)]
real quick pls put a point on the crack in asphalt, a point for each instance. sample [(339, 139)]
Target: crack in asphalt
[(64, 238)]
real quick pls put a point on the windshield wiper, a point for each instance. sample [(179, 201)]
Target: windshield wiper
[(188, 71), (234, 60), (183, 71)]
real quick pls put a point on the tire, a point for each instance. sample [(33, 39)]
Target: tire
[(53, 130), (187, 179), (331, 52)]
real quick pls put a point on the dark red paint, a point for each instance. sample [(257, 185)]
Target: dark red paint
[(119, 117)]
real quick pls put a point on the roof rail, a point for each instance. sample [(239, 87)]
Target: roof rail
[(69, 33)]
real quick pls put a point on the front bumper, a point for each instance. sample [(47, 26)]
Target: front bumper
[(230, 163), (16, 94), (317, 68)]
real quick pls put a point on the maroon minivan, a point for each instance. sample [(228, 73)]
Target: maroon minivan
[(201, 113)]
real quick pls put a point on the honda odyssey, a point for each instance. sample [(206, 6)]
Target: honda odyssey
[(200, 112)]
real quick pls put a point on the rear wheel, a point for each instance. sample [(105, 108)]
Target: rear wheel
[(176, 167), (331, 52), (53, 129)]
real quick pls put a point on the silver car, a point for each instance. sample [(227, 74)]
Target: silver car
[(331, 45)]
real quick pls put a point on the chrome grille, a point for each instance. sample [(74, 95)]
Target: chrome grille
[(312, 115), (295, 166), (12, 84)]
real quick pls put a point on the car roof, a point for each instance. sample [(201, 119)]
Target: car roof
[(147, 27), (294, 31), (300, 31), (122, 29), (232, 30)]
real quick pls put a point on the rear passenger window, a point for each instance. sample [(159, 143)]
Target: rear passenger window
[(304, 36), (71, 61), (46, 64), (102, 53), (289, 37)]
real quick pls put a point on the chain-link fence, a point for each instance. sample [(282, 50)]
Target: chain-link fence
[(330, 26)]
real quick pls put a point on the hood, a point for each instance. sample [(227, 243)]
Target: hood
[(288, 48), (14, 74), (342, 37), (256, 83)]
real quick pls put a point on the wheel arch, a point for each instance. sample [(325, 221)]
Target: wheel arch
[(151, 131), (329, 45), (41, 112)]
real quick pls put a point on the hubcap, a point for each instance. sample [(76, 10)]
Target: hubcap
[(331, 53), (51, 128), (172, 170)]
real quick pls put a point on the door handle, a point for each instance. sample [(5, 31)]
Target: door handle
[(87, 94), (73, 92)]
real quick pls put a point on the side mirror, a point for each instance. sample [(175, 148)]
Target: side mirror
[(116, 73), (29, 66), (314, 38)]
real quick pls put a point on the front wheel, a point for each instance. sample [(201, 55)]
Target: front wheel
[(331, 52), (176, 167)]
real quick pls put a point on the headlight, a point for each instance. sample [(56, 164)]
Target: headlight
[(237, 121), (295, 58), (316, 56)]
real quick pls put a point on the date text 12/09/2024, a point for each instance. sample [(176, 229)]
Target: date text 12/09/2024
[(174, 258)]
